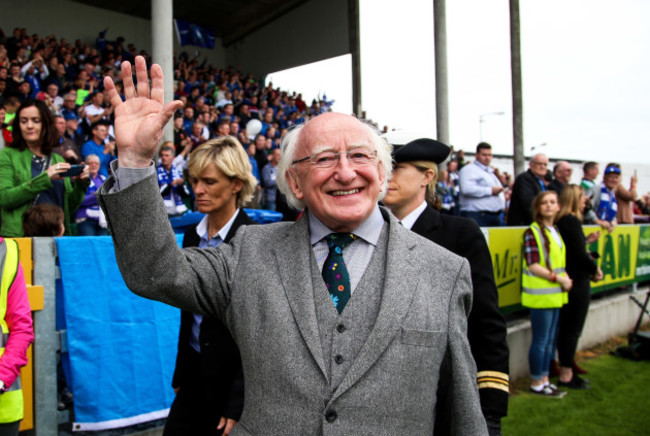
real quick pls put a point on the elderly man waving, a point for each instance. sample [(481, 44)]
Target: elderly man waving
[(346, 322)]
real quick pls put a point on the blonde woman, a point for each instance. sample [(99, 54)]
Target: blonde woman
[(208, 378), (581, 267)]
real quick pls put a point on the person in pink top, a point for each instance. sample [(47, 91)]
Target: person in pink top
[(17, 334)]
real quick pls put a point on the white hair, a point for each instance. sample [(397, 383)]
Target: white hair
[(289, 145)]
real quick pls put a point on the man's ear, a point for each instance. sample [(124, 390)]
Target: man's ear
[(294, 184)]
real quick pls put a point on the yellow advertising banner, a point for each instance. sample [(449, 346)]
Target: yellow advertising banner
[(505, 245), (618, 253)]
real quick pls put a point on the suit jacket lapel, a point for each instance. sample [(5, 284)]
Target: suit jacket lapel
[(400, 282), (427, 222), (293, 255)]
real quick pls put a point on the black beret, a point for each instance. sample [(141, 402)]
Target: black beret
[(426, 149)]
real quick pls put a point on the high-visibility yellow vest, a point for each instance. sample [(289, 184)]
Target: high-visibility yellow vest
[(11, 402), (539, 293)]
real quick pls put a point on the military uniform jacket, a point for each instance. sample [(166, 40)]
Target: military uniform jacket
[(486, 327)]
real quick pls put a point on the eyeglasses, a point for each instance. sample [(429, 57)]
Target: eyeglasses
[(329, 159), (539, 163)]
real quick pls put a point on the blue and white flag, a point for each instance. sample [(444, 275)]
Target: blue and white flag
[(193, 34)]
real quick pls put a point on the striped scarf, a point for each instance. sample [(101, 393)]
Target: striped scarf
[(607, 206)]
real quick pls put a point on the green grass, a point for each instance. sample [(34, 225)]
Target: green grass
[(618, 403)]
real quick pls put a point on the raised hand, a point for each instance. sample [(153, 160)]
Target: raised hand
[(139, 121)]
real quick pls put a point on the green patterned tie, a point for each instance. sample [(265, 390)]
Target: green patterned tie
[(335, 273)]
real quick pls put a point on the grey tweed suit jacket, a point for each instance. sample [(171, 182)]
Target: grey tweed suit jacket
[(260, 285)]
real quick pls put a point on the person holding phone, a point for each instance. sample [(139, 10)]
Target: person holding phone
[(30, 173)]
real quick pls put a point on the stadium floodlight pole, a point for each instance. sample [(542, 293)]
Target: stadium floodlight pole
[(442, 82), (481, 120), (517, 97), (162, 50)]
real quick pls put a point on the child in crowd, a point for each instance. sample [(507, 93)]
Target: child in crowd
[(45, 219)]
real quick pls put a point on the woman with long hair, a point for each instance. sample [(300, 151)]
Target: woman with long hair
[(544, 287), (581, 267), (30, 173)]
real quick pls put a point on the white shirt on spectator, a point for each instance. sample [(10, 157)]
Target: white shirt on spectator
[(476, 182)]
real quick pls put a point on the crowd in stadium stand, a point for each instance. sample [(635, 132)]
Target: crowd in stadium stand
[(67, 78)]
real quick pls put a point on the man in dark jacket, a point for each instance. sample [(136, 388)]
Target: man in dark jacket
[(527, 186)]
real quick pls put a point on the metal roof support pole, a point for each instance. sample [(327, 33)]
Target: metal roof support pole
[(162, 48), (517, 98), (442, 81), (355, 51)]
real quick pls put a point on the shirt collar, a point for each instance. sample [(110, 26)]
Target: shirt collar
[(412, 217), (484, 167), (369, 230), (202, 228)]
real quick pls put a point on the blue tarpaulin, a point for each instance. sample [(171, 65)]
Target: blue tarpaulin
[(122, 347)]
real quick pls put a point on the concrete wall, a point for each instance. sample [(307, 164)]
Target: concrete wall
[(312, 32), (609, 316), (73, 20)]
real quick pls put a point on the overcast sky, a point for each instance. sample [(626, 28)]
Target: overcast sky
[(585, 74)]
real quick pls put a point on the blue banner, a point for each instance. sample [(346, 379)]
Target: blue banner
[(193, 34), (122, 347)]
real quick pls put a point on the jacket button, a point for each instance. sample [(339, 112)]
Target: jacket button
[(331, 416), (338, 359), (340, 328)]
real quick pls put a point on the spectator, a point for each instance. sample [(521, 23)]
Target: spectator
[(15, 321), (543, 269), (261, 156), (99, 146), (69, 108), (89, 217), (445, 192), (481, 192), (269, 178), (30, 173), (66, 147), (581, 267), (604, 201), (527, 185), (256, 201), (562, 172), (95, 111), (72, 130), (188, 118), (171, 182), (223, 128), (590, 171), (197, 137), (625, 198), (208, 378), (44, 219), (181, 138), (51, 98)]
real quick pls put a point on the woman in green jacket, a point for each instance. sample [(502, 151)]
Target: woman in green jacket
[(30, 173)]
